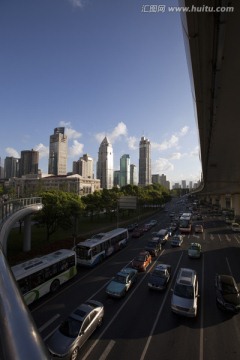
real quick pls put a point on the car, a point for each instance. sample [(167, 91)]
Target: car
[(122, 282), (154, 247), (146, 227), (69, 337), (131, 227), (176, 240), (235, 227), (162, 235), (142, 261), (159, 277), (194, 250), (198, 228), (185, 294), (227, 293), (137, 232), (153, 222)]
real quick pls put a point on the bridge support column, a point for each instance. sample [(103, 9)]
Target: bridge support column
[(236, 204), (27, 233)]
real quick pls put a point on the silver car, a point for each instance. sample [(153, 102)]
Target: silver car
[(67, 340), (185, 293)]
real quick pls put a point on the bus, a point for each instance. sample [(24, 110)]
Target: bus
[(185, 223), (93, 251), (39, 276)]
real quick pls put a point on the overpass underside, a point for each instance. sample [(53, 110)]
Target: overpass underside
[(213, 53)]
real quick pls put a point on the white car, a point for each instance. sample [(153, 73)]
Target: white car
[(235, 227)]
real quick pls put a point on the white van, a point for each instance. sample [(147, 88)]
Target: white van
[(185, 293), (162, 235)]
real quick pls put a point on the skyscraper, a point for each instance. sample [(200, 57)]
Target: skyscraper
[(133, 174), (57, 164), (28, 163), (84, 166), (105, 164), (124, 170), (145, 176), (11, 167)]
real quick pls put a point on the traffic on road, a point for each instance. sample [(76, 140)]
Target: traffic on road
[(183, 320)]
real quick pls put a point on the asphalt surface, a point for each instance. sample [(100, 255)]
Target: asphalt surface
[(141, 326)]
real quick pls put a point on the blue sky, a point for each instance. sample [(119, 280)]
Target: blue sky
[(99, 68)]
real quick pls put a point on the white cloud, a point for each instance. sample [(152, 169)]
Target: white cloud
[(76, 149), (77, 3), (118, 131), (176, 156), (172, 142), (69, 131), (132, 142), (42, 149), (184, 131), (195, 151), (12, 152), (162, 165)]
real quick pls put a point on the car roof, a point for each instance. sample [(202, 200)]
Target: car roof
[(126, 271), (81, 312), (162, 267)]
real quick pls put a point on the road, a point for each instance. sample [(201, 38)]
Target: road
[(141, 326)]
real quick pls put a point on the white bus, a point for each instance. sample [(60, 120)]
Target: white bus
[(39, 276), (185, 223), (93, 251)]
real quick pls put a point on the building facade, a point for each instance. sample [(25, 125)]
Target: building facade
[(124, 170), (145, 176), (11, 167), (76, 184), (84, 166), (57, 163), (133, 175), (28, 163), (105, 164)]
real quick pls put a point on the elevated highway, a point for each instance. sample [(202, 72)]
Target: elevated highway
[(213, 52)]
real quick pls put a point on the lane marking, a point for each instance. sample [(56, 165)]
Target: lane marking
[(107, 350), (49, 322), (159, 312)]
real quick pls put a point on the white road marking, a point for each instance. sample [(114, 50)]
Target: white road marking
[(107, 350), (49, 322)]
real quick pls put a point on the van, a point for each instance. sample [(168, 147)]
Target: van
[(162, 235), (185, 293)]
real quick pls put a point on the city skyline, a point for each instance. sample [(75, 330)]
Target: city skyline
[(98, 70)]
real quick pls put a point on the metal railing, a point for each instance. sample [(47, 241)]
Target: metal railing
[(19, 336), (7, 208)]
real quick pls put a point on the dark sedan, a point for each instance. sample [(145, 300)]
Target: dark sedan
[(227, 293), (159, 277)]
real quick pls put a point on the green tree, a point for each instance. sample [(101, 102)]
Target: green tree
[(60, 209)]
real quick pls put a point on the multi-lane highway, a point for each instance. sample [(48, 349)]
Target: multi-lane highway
[(141, 326)]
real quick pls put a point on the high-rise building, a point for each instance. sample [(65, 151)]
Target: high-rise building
[(145, 176), (162, 180), (105, 164), (124, 170), (184, 184), (28, 163), (11, 167), (84, 167), (57, 164), (133, 174), (116, 178)]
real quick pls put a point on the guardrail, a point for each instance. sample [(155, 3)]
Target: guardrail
[(19, 338), (7, 208)]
